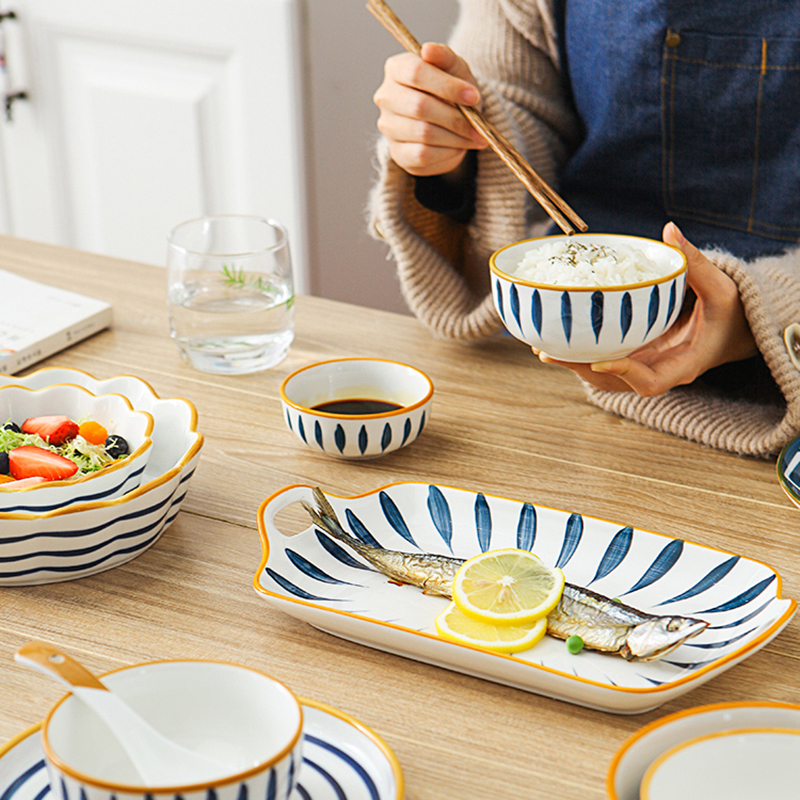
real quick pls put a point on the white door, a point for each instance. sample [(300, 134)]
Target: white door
[(141, 115)]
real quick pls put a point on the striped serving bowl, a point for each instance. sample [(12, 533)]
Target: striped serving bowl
[(90, 537)]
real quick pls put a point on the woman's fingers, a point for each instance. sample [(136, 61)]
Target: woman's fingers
[(712, 331), (415, 116), (721, 333), (427, 134)]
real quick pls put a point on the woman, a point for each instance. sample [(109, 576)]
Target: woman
[(643, 114)]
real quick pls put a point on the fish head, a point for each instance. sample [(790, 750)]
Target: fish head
[(656, 637)]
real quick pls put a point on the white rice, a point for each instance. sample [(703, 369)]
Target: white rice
[(574, 263)]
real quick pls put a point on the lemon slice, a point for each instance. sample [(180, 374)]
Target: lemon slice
[(452, 624), (507, 587)]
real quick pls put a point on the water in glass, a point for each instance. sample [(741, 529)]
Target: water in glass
[(231, 313)]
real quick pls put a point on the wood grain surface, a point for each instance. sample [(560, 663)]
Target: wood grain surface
[(502, 423)]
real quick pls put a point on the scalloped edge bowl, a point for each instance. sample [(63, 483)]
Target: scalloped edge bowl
[(113, 411), (87, 538)]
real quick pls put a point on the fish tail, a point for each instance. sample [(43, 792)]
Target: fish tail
[(325, 517)]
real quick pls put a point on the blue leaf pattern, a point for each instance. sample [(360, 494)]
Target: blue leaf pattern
[(536, 312), (313, 571), (301, 429), (597, 314), (395, 518), (673, 298), (615, 553), (386, 439), (663, 563), (483, 522), (499, 294), (572, 536), (625, 314), (339, 437), (718, 645), (742, 599), (406, 431), (440, 514), (652, 311), (293, 589), (338, 552), (713, 577), (318, 433), (363, 439), (360, 530), (741, 621), (566, 315), (514, 300), (526, 527)]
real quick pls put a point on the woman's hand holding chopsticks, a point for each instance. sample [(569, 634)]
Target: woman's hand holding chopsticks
[(427, 134)]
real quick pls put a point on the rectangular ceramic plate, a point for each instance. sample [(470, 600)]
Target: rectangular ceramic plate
[(313, 578)]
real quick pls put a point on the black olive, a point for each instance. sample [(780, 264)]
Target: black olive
[(4, 470), (116, 446), (11, 426)]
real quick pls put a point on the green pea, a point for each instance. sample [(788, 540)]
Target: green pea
[(574, 644)]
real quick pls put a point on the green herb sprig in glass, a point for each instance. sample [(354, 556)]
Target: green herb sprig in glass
[(239, 279)]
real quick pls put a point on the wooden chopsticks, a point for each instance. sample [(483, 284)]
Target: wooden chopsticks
[(548, 198)]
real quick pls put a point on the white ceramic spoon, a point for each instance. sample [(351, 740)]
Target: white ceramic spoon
[(158, 760)]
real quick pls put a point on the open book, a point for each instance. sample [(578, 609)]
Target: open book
[(37, 320)]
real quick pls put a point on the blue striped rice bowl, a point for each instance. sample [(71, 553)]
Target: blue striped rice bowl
[(585, 324)]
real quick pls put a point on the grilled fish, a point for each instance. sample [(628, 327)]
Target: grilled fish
[(603, 624)]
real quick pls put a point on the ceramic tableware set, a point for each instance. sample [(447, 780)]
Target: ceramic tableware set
[(263, 741)]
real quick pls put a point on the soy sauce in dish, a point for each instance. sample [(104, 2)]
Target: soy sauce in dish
[(357, 406)]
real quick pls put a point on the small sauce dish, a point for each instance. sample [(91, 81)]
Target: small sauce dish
[(357, 408)]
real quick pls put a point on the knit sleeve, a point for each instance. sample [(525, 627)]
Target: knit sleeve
[(442, 264), (748, 423)]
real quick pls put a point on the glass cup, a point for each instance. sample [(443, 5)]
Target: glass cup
[(230, 293)]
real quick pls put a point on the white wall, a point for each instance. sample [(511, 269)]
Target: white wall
[(346, 49), (343, 49)]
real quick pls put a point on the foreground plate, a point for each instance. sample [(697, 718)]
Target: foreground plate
[(632, 760), (312, 578), (342, 760)]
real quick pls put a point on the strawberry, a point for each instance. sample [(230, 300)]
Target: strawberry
[(54, 430), (29, 461)]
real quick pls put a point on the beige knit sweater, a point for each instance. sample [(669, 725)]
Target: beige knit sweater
[(443, 266)]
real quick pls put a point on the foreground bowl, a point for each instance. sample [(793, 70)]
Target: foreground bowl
[(113, 411), (588, 323), (235, 715), (87, 538), (632, 761), (356, 381)]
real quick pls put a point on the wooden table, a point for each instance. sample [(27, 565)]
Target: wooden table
[(503, 423)]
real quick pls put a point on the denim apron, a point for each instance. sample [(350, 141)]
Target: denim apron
[(691, 113)]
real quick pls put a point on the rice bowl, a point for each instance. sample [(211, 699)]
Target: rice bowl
[(586, 322)]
